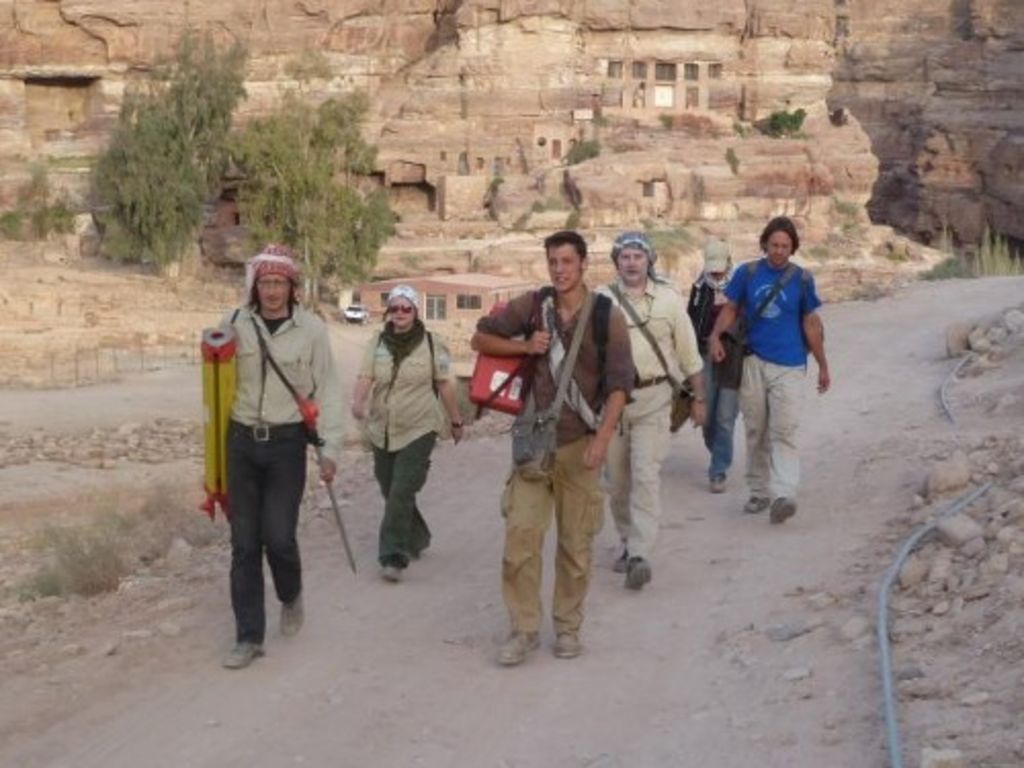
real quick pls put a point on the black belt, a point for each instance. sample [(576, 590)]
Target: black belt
[(643, 383), (264, 433)]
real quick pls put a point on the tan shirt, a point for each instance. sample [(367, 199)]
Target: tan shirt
[(302, 349), (408, 409), (663, 312)]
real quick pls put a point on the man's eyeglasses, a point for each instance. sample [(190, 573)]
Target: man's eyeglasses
[(401, 309)]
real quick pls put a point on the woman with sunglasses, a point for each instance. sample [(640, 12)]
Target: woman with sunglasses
[(404, 381)]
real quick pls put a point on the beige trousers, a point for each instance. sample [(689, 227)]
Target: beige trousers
[(575, 494), (633, 468), (770, 399)]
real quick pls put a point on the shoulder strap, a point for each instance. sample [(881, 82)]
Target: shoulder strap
[(569, 363), (234, 315), (641, 326), (780, 283), (602, 319), (269, 359)]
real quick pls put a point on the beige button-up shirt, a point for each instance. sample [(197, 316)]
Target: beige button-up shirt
[(302, 350), (662, 311), (408, 409)]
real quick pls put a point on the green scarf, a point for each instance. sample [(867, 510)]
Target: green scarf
[(401, 345)]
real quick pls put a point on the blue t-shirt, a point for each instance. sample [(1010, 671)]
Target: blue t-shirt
[(777, 335)]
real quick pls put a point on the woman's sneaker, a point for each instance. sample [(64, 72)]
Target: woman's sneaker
[(718, 484)]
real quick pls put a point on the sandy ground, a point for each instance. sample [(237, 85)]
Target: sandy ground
[(682, 673)]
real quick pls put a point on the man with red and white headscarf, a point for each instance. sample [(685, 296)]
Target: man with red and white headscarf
[(267, 442)]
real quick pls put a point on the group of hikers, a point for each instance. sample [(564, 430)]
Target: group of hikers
[(607, 368)]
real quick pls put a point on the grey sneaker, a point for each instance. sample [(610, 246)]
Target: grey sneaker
[(568, 645), (518, 646), (242, 655), (782, 510), (292, 616), (755, 505), (638, 573), (718, 484), (391, 573), (619, 566)]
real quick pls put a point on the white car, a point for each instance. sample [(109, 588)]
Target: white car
[(356, 313)]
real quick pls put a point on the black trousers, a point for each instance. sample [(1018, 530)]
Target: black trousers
[(265, 484)]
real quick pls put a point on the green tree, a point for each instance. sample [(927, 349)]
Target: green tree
[(168, 152), (305, 170)]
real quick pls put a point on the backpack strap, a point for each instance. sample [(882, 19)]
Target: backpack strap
[(601, 318)]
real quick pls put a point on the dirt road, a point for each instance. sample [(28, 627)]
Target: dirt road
[(684, 673)]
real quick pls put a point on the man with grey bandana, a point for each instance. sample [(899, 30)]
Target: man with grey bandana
[(641, 441)]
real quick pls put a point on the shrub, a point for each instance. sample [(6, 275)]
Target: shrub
[(946, 269), (12, 225), (995, 259), (666, 121), (732, 160), (783, 123), (572, 221), (583, 150)]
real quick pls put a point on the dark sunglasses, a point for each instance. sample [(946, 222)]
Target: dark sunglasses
[(402, 309)]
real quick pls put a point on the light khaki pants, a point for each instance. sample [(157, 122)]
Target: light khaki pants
[(633, 468), (575, 494), (770, 399)]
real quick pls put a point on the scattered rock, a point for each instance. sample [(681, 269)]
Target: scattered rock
[(975, 547), (72, 649), (1014, 321), (913, 572), (978, 341), (178, 554), (976, 699), (797, 673), (782, 633), (109, 648), (959, 529), (957, 338), (821, 600), (941, 608), (137, 634), (949, 475), (855, 627), (169, 629), (942, 758), (908, 672)]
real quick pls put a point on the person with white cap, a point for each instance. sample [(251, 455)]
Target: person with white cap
[(707, 297), (405, 379), (267, 438), (664, 351)]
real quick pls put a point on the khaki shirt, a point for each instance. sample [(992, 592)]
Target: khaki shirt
[(663, 313), (408, 409), (302, 350)]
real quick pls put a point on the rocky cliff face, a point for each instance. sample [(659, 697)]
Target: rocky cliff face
[(939, 87), (480, 105)]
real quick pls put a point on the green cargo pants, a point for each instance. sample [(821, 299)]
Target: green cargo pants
[(401, 474)]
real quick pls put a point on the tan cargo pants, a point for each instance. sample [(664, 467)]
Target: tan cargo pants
[(633, 468), (575, 493), (770, 398)]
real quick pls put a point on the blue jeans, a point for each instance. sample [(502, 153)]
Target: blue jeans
[(722, 408)]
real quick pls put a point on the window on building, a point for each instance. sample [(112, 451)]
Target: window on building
[(444, 155), (715, 71), (692, 97), (468, 301), (664, 96), (842, 27), (648, 187), (615, 69), (480, 163), (556, 149), (639, 70), (437, 306), (691, 71), (665, 72)]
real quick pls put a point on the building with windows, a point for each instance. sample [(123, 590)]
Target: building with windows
[(447, 297)]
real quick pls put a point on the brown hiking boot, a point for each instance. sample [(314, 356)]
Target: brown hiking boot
[(518, 646), (292, 616), (782, 510), (242, 655), (568, 645)]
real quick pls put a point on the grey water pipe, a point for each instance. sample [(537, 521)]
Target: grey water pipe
[(943, 399), (892, 730)]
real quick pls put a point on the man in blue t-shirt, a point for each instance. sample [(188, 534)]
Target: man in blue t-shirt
[(778, 303)]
